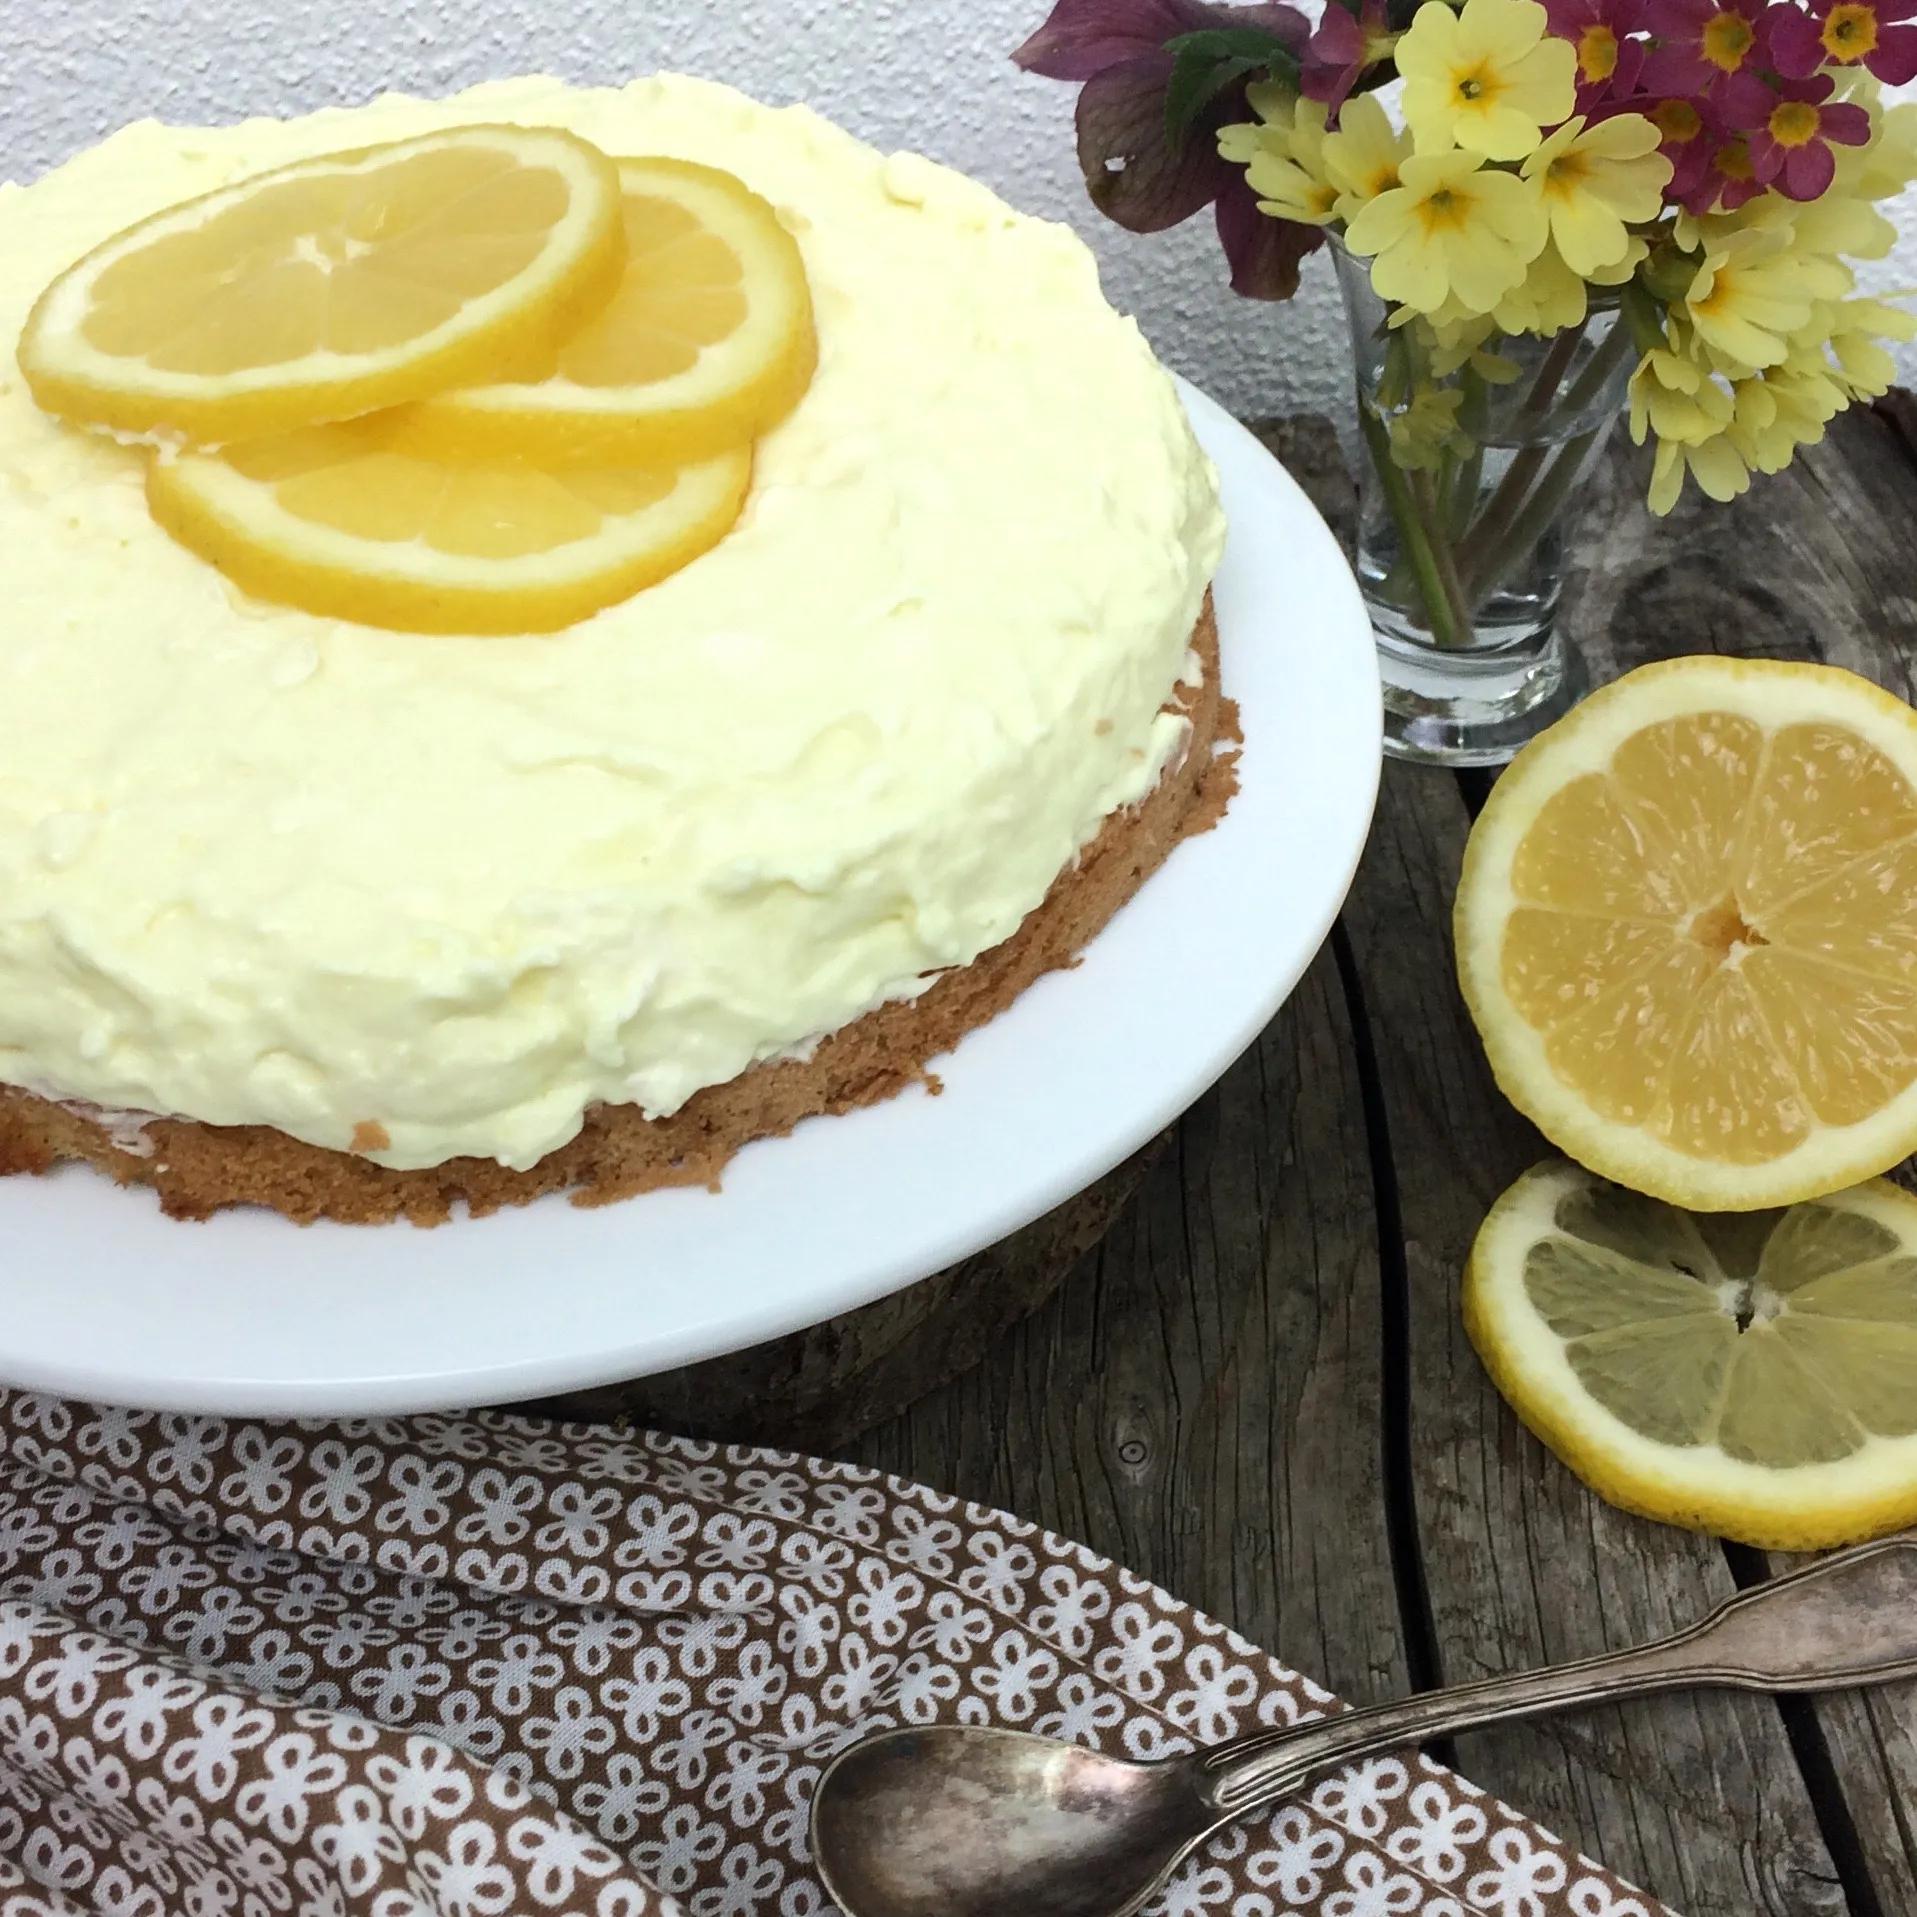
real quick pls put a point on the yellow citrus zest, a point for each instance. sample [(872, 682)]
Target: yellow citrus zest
[(1687, 931), (1748, 1374)]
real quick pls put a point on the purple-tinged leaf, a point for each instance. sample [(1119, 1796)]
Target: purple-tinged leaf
[(1082, 38), (1264, 254), (1283, 23), (1131, 170)]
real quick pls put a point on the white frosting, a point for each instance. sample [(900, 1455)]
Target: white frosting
[(261, 867)]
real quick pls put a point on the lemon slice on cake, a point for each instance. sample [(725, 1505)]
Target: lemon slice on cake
[(335, 520), (1751, 1374), (1687, 931), (333, 286), (707, 341)]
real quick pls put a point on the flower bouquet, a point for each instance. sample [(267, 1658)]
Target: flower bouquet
[(1536, 211)]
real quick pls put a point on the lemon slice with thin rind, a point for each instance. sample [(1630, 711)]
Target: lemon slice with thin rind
[(707, 341), (1687, 931), (333, 286), (334, 520), (1748, 1374)]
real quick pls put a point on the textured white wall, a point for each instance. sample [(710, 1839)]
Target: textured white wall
[(928, 74)]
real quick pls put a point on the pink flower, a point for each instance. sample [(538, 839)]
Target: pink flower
[(1727, 180), (1704, 43), (1344, 44), (1688, 136), (1848, 33), (1791, 149), (1135, 171), (1609, 59)]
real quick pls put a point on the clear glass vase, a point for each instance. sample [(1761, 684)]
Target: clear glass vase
[(1472, 475)]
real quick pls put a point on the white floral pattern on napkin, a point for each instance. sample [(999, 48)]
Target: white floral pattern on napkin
[(484, 1665)]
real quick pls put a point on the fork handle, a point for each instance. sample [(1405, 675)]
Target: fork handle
[(1848, 1619)]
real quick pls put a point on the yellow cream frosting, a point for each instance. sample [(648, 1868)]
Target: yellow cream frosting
[(258, 867)]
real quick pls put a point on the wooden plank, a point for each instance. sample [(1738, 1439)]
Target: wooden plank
[(1867, 1746), (818, 1388), (1202, 1400), (1698, 1799), (1819, 562)]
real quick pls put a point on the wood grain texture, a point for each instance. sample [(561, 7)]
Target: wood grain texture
[(1203, 1399), (817, 1389), (1257, 1390), (1819, 562), (1711, 1802), (1697, 1798)]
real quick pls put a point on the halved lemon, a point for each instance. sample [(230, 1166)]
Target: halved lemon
[(332, 519), (333, 286), (706, 343), (1687, 930), (1752, 1375)]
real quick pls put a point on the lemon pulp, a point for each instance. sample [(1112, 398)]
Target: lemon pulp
[(1752, 1374), (332, 287), (1687, 929), (335, 520), (706, 342)]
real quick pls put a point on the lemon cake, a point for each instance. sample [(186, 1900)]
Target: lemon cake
[(306, 905)]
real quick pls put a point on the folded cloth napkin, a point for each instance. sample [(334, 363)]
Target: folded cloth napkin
[(484, 1665)]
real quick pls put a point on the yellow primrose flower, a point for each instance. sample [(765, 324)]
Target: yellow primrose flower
[(1805, 381), (1277, 107), (1422, 432), (1714, 464), (1867, 371), (1548, 299), (1287, 169), (1362, 158), (1595, 179), (1772, 416), (1451, 340), (1838, 221), (1488, 78), (1812, 231), (1673, 397), (1807, 401), (1452, 228), (1750, 295), (1887, 163), (1621, 270)]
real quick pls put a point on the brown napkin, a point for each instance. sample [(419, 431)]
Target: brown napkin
[(485, 1665)]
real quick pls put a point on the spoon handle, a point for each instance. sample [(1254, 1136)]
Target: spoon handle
[(1848, 1619)]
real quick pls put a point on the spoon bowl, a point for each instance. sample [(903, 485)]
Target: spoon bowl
[(965, 1821), (962, 1820)]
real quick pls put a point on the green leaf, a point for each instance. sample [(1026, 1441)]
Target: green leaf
[(1206, 62), (1259, 45)]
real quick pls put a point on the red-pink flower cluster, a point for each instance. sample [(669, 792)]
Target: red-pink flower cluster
[(1740, 89)]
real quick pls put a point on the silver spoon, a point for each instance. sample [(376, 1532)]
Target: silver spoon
[(962, 1821)]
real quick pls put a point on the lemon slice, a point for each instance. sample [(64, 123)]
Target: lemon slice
[(333, 286), (333, 520), (1687, 930), (1752, 1375), (707, 341)]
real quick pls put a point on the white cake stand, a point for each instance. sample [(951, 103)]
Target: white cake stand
[(102, 1297)]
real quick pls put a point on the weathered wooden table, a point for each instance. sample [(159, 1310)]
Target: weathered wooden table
[(1256, 1389)]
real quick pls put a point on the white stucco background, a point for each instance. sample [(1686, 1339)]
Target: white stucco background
[(929, 74)]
